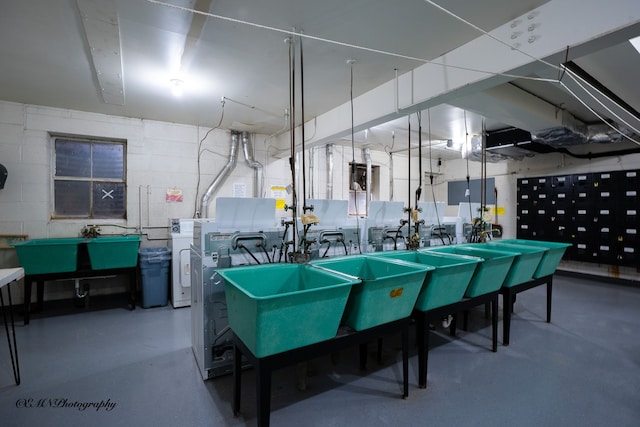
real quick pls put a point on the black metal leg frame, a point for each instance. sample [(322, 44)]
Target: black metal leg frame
[(13, 346), (508, 296), (264, 366), (39, 279), (423, 318)]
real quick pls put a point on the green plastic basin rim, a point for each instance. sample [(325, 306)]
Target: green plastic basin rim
[(328, 270), (230, 282), (468, 258)]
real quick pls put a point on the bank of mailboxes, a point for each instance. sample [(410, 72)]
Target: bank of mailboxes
[(597, 212)]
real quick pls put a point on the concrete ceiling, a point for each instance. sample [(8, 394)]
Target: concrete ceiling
[(119, 56)]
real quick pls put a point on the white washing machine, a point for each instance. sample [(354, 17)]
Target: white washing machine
[(180, 239)]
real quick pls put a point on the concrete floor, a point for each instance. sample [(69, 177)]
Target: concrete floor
[(583, 369)]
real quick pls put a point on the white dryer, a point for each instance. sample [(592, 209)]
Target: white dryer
[(180, 239)]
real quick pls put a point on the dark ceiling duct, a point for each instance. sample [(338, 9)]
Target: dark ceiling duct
[(505, 144), (576, 133), (516, 144), (599, 133)]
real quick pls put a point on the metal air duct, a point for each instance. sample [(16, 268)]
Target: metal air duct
[(222, 176), (569, 136), (257, 166)]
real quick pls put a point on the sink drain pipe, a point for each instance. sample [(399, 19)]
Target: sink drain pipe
[(78, 294)]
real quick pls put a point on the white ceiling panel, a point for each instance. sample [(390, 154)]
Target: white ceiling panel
[(47, 59)]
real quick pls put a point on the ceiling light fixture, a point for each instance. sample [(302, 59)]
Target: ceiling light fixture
[(177, 87)]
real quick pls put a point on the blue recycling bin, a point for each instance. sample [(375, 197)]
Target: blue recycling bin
[(155, 264)]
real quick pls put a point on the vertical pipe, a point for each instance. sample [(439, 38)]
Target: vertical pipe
[(484, 164), (148, 207), (419, 190), (391, 177), (409, 173), (395, 87), (292, 129), (330, 171), (139, 208), (304, 168), (312, 156), (222, 176), (256, 166), (367, 159)]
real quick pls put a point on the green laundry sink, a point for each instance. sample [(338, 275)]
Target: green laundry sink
[(273, 308), (107, 252), (446, 283), (550, 259), (388, 292), (42, 256), (490, 274), (525, 263)]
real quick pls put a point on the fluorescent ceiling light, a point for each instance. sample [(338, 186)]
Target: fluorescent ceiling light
[(177, 87), (636, 43)]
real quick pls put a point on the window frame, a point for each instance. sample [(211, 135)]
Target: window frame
[(91, 180)]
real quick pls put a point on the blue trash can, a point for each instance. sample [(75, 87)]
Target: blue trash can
[(155, 264)]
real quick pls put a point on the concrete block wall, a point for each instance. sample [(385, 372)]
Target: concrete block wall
[(160, 156)]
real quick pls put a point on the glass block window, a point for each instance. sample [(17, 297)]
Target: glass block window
[(89, 179)]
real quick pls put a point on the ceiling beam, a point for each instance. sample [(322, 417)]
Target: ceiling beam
[(540, 33), (102, 33), (513, 106)]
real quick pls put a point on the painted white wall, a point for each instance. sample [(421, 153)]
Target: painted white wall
[(160, 156)]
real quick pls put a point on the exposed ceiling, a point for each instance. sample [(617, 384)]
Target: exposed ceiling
[(119, 57)]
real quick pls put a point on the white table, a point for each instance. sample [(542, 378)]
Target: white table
[(8, 276)]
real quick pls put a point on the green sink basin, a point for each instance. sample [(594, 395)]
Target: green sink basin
[(490, 274), (388, 292), (550, 259), (525, 263), (273, 308), (446, 283), (41, 256), (113, 251)]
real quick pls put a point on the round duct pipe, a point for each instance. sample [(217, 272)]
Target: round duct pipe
[(221, 178), (255, 165)]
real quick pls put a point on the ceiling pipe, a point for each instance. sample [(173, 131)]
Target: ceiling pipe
[(591, 155), (222, 176), (253, 164)]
